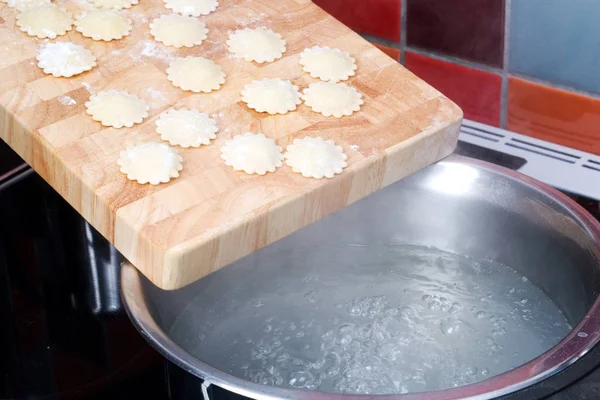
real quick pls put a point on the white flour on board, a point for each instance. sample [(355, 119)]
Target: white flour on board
[(156, 94), (149, 49), (88, 87), (66, 100)]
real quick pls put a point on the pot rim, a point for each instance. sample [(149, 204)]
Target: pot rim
[(575, 345)]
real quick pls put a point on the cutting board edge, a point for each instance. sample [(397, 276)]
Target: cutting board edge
[(175, 274)]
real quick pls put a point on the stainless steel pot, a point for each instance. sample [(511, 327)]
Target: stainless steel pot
[(459, 205)]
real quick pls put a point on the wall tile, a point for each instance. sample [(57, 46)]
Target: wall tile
[(468, 29), (390, 51), (374, 17), (476, 92), (557, 40), (554, 115)]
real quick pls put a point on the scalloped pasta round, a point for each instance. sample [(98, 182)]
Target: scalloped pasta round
[(273, 96), (253, 154), (178, 30), (186, 128), (327, 64), (65, 59), (194, 8), (315, 157), (45, 21), (332, 99), (22, 5), (117, 108), (114, 4), (260, 45), (103, 25), (196, 74), (150, 162)]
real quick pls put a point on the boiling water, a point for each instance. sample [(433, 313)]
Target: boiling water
[(368, 320)]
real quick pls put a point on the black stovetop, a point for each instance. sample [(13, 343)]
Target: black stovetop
[(63, 332)]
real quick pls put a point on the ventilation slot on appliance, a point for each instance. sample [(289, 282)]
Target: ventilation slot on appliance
[(592, 164), (565, 168), (542, 150), (481, 134)]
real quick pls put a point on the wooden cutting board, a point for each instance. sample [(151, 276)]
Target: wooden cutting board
[(211, 215)]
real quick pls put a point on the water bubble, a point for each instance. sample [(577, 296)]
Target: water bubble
[(390, 311), (499, 332), (450, 326), (258, 303), (354, 309), (346, 329), (480, 314), (267, 328), (311, 296), (331, 365), (260, 377), (407, 311), (300, 379), (346, 339), (455, 308), (310, 278)]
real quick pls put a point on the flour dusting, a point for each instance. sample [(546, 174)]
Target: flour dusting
[(156, 94), (66, 100), (149, 49), (88, 87)]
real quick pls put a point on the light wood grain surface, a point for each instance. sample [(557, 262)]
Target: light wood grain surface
[(211, 215)]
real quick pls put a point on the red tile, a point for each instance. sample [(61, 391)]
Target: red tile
[(390, 51), (468, 29), (374, 17), (476, 92), (554, 115)]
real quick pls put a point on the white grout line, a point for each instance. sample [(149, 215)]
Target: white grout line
[(403, 30), (506, 55), (555, 85), (454, 60), (381, 41)]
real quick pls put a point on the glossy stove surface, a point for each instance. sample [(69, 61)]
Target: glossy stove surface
[(63, 331)]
